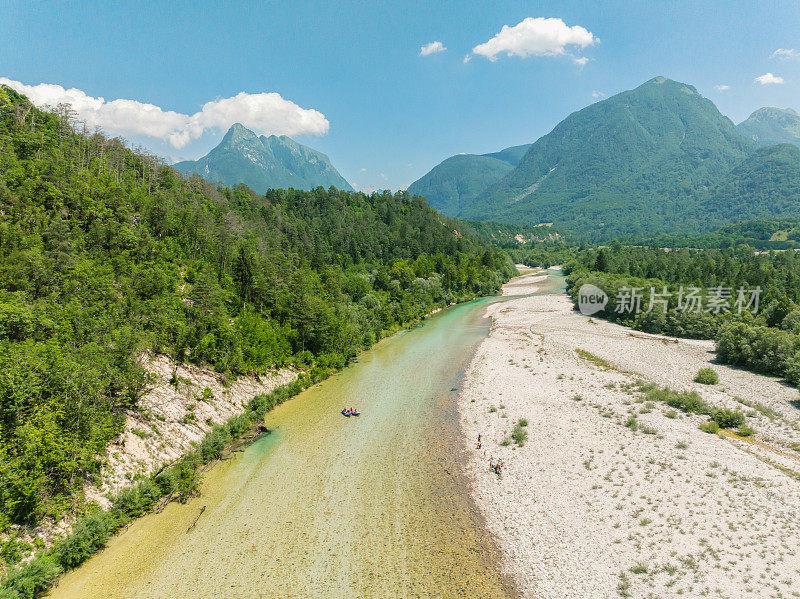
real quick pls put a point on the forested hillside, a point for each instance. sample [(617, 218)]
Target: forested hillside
[(764, 233), (106, 254), (765, 184)]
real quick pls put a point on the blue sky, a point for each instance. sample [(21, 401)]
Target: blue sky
[(385, 114)]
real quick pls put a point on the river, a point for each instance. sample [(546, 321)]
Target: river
[(328, 506)]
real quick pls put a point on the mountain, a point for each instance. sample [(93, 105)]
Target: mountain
[(264, 163), (456, 181), (772, 126), (632, 163), (766, 184)]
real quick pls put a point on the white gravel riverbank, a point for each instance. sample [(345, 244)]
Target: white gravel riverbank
[(588, 507)]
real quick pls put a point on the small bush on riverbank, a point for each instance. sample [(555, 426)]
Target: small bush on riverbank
[(709, 427), (691, 403), (519, 434), (706, 376), (727, 418)]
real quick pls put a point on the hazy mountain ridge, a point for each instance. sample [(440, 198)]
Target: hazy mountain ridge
[(771, 125), (264, 163)]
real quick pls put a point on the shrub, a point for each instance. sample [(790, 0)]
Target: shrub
[(135, 500), (706, 376), (88, 536), (238, 424), (689, 402), (745, 431), (32, 579), (726, 418), (710, 427), (186, 480), (519, 435), (214, 443)]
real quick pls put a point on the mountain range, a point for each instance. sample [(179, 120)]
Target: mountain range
[(658, 158), (264, 163)]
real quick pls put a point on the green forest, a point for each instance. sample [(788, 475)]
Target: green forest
[(106, 254)]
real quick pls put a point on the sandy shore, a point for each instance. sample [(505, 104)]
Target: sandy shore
[(588, 507)]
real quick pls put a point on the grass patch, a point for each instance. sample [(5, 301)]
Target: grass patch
[(760, 407), (596, 360), (632, 423), (691, 403)]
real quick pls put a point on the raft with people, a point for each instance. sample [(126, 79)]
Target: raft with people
[(350, 412)]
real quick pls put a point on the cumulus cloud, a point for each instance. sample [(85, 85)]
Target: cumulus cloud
[(786, 54), (537, 37), (769, 79), (431, 48), (267, 113), (722, 87)]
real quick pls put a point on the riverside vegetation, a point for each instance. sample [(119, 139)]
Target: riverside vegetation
[(106, 254), (767, 342)]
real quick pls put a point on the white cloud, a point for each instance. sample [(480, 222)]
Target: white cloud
[(722, 87), (431, 48), (769, 79), (537, 37), (263, 112), (598, 94), (786, 54)]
